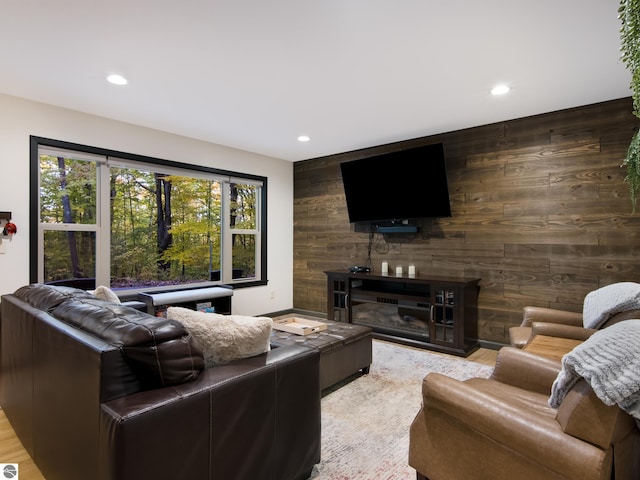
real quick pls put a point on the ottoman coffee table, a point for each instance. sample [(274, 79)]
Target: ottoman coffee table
[(345, 349)]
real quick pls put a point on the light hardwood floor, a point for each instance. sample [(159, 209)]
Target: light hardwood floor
[(12, 451), (484, 356)]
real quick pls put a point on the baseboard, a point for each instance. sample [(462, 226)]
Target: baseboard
[(491, 345)]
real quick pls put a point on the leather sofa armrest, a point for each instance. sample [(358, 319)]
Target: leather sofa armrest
[(519, 336), (562, 330), (504, 423), (522, 369), (550, 315)]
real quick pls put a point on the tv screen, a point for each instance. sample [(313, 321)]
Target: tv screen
[(402, 185)]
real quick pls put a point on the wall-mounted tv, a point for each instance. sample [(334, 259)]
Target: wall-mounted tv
[(402, 185)]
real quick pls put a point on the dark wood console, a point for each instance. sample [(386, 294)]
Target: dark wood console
[(437, 313)]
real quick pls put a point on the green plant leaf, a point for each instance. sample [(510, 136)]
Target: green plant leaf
[(629, 15)]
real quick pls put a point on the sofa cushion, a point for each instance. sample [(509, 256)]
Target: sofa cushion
[(161, 351), (47, 297), (224, 338)]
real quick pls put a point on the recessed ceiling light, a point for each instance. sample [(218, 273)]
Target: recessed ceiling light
[(500, 90), (117, 79), (304, 138)]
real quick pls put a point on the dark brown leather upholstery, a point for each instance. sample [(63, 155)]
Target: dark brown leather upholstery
[(502, 428), (160, 351), (345, 349), (84, 409)]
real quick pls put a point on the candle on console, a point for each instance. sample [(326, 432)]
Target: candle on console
[(398, 270), (412, 269), (385, 267)]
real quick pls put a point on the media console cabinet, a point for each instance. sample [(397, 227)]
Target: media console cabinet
[(436, 313)]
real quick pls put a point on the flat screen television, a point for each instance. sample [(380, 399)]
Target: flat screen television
[(392, 187)]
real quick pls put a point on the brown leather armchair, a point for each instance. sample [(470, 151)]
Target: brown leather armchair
[(557, 323), (503, 428)]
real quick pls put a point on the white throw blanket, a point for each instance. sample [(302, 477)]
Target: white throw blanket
[(609, 361), (603, 303)]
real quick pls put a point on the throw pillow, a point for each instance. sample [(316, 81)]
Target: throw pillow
[(224, 338), (105, 293)]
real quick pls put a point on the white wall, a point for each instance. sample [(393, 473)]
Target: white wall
[(21, 118)]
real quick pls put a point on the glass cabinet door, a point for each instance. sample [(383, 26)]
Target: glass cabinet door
[(338, 307), (442, 325)]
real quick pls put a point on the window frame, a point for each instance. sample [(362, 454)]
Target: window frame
[(35, 252)]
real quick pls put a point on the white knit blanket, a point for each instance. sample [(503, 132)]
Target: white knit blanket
[(601, 304), (610, 362)]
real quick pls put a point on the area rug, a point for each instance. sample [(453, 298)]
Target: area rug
[(365, 423)]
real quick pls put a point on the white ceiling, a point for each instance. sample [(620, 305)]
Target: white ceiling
[(255, 74)]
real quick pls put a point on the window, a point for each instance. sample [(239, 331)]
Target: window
[(133, 223)]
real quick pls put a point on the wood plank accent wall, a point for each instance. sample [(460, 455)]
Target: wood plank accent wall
[(540, 213)]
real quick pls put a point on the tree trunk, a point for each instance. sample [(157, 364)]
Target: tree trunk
[(163, 207)]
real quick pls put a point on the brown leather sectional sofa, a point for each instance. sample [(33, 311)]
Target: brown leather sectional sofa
[(96, 390)]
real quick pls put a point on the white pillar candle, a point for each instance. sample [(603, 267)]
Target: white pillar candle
[(399, 271), (412, 269), (385, 267)]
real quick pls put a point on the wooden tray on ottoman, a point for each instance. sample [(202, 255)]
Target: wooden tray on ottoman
[(299, 326)]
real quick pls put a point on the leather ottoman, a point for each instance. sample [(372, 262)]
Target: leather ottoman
[(345, 349)]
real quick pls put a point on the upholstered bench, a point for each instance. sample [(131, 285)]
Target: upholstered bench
[(345, 349)]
